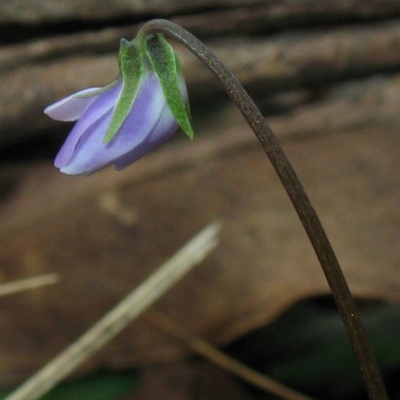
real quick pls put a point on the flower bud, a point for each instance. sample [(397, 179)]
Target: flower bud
[(121, 122)]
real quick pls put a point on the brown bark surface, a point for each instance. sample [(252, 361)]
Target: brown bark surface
[(45, 71), (27, 11)]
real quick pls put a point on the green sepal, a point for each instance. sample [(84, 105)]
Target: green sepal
[(166, 65), (131, 70)]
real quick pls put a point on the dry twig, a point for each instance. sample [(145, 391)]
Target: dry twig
[(26, 284)]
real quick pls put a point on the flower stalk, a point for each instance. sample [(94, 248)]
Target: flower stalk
[(340, 291)]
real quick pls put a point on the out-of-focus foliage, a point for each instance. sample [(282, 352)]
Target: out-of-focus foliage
[(307, 348), (102, 386)]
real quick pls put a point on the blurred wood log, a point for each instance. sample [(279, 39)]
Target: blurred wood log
[(285, 15), (33, 12), (263, 66)]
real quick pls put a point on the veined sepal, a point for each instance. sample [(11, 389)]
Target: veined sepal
[(132, 70), (166, 65)]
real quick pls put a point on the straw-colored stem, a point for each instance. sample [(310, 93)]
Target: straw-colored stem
[(27, 284)]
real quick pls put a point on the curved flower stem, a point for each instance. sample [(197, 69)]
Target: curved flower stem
[(334, 275)]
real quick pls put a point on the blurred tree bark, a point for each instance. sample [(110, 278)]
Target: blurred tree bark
[(309, 48)]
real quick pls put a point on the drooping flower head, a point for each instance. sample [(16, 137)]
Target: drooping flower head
[(119, 123)]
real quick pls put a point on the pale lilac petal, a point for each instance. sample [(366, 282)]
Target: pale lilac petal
[(85, 158), (70, 108), (91, 154), (165, 127), (183, 89), (99, 106)]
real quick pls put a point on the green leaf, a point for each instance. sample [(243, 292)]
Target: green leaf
[(166, 64), (102, 386), (132, 68), (307, 348)]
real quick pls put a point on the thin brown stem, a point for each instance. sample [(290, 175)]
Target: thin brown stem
[(323, 249)]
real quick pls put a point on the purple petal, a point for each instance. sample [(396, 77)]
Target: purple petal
[(91, 154), (70, 108), (99, 106), (84, 159), (165, 127)]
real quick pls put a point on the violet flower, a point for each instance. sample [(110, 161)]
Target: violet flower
[(121, 122)]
